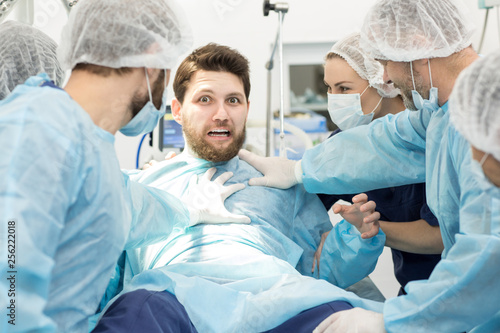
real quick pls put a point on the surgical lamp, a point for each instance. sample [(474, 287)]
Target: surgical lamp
[(6, 7), (281, 8), (68, 4)]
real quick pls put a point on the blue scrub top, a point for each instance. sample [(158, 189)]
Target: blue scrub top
[(72, 211), (404, 203), (413, 147)]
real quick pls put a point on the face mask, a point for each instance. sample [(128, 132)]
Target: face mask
[(146, 120), (345, 110), (421, 103), (477, 170)]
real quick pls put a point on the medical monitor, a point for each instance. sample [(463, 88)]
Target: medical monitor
[(170, 133)]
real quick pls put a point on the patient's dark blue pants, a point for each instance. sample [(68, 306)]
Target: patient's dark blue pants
[(160, 312)]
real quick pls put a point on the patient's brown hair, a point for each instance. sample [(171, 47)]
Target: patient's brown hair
[(211, 57)]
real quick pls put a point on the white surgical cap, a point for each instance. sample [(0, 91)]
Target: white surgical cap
[(367, 68), (475, 104), (26, 51), (125, 33), (407, 30)]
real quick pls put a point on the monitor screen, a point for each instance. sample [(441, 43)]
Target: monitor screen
[(170, 132)]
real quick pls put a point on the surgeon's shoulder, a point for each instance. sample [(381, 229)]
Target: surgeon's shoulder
[(46, 106)]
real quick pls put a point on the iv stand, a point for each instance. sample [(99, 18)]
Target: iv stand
[(281, 9)]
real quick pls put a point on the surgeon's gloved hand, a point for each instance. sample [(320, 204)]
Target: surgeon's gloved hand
[(205, 199), (278, 172), (360, 214), (355, 320)]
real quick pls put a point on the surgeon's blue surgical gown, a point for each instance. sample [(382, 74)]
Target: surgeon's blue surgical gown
[(412, 147), (245, 278), (62, 188)]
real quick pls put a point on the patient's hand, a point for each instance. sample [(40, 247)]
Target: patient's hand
[(317, 254), (360, 214), (205, 199)]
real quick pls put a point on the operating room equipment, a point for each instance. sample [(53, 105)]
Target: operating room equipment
[(275, 124), (26, 8), (281, 8), (6, 7), (488, 4)]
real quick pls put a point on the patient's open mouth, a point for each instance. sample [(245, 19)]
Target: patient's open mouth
[(219, 133)]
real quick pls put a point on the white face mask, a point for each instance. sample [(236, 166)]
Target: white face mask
[(345, 110), (421, 103), (484, 182)]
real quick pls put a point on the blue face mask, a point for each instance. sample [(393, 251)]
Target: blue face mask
[(345, 110), (421, 103), (146, 120)]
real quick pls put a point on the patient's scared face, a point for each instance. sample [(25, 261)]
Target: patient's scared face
[(213, 115)]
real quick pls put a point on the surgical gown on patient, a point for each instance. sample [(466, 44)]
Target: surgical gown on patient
[(62, 188), (411, 147), (242, 278)]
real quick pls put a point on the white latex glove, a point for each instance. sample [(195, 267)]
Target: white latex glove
[(205, 199), (355, 320), (278, 172)]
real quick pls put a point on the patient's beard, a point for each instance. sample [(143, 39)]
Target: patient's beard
[(205, 150)]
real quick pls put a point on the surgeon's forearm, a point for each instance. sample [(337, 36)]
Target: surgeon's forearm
[(414, 237)]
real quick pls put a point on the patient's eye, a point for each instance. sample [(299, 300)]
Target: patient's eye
[(233, 100), (205, 99)]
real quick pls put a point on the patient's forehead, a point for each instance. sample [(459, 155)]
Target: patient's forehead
[(225, 83)]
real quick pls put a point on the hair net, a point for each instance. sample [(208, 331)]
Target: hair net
[(475, 104), (367, 68), (403, 30), (25, 51), (125, 33)]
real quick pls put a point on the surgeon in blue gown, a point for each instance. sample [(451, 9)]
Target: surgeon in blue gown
[(474, 112), (357, 94), (235, 277), (66, 210), (423, 45)]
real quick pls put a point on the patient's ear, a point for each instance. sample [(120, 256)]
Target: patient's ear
[(176, 110)]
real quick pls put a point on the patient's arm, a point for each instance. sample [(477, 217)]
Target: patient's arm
[(155, 212), (347, 257)]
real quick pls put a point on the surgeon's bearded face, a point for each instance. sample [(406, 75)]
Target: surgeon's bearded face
[(405, 84), (213, 115), (400, 74), (139, 100)]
